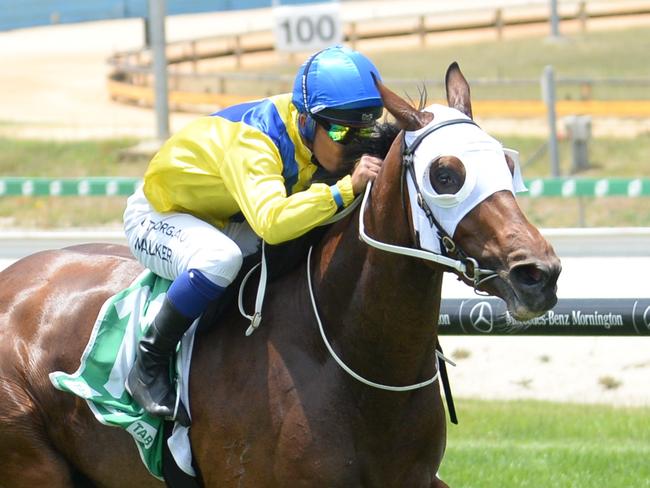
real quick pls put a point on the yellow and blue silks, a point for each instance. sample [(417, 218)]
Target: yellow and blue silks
[(248, 158)]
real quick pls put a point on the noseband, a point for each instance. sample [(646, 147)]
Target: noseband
[(454, 257)]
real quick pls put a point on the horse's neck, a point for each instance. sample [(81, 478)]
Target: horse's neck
[(379, 308)]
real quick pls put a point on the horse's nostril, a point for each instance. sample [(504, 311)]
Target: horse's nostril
[(528, 274)]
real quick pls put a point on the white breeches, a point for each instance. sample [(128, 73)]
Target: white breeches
[(171, 243)]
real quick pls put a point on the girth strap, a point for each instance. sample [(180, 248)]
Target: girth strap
[(442, 367)]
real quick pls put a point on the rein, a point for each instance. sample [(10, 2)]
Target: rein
[(261, 290), (256, 318), (466, 265), (349, 370)]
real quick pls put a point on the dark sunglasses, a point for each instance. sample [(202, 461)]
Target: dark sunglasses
[(343, 134)]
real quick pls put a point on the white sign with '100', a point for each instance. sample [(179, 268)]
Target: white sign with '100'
[(307, 27)]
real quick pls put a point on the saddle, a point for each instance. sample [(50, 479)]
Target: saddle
[(281, 259), (110, 353)]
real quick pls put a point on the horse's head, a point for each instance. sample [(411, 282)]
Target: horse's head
[(461, 186)]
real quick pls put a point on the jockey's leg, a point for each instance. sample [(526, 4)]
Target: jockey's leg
[(149, 380), (201, 261)]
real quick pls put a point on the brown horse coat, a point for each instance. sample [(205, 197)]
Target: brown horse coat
[(272, 410)]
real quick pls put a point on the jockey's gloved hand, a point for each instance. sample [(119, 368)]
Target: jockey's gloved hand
[(366, 170)]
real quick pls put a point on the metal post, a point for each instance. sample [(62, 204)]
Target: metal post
[(498, 22), (548, 94), (353, 35), (422, 30), (157, 31), (147, 33), (578, 128), (555, 21), (582, 15)]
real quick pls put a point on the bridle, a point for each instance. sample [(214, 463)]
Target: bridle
[(453, 256), (464, 264)]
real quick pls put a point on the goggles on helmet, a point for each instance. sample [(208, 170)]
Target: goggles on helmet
[(344, 134)]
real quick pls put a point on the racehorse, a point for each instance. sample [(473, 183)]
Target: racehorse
[(278, 409)]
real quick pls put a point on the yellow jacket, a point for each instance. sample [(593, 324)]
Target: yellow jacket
[(247, 158)]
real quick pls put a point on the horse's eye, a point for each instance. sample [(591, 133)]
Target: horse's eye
[(444, 178), (447, 175)]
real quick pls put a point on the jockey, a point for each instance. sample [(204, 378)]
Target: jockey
[(240, 175)]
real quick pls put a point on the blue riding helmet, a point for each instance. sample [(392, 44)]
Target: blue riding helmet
[(336, 84)]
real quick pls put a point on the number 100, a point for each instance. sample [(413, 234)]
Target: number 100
[(306, 30)]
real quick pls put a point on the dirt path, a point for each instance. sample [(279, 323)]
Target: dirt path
[(56, 84)]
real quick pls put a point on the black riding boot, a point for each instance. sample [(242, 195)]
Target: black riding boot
[(148, 382)]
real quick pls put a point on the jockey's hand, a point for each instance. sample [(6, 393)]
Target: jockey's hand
[(366, 170)]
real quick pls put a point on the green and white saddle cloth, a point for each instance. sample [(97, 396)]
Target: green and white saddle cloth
[(107, 360)]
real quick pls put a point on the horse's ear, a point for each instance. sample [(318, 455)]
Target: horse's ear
[(458, 96), (407, 117)]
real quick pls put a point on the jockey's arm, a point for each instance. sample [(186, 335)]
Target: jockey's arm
[(253, 176)]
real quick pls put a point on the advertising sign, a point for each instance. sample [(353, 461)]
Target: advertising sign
[(571, 316)]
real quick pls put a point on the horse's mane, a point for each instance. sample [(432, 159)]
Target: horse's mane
[(385, 134)]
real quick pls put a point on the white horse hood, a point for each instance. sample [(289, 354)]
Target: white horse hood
[(486, 170)]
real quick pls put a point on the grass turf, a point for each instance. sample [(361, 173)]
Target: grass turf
[(542, 444)]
